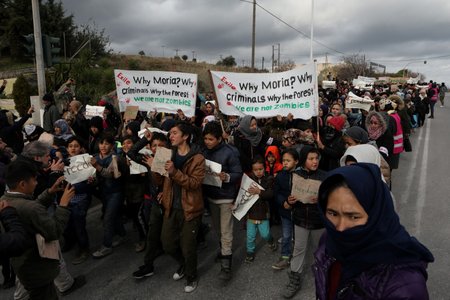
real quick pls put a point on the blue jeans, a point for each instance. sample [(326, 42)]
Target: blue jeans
[(252, 229), (286, 241), (112, 224), (432, 104), (77, 221)]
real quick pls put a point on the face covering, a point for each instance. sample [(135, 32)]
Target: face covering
[(329, 133)]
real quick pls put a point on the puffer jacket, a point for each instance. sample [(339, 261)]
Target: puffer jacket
[(190, 178), (228, 157), (384, 281), (308, 215)]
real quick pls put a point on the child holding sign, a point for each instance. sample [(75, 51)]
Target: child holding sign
[(76, 228), (308, 226), (221, 197), (258, 215)]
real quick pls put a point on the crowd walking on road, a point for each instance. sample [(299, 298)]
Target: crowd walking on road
[(321, 186)]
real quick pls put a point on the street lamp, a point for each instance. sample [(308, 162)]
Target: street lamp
[(404, 68)]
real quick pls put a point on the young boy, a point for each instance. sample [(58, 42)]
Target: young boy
[(258, 215)]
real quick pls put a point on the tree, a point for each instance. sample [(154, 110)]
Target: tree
[(286, 66), (141, 53), (185, 57), (352, 66), (228, 61), (22, 91)]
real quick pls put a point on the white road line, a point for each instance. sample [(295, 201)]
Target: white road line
[(412, 167), (422, 188)]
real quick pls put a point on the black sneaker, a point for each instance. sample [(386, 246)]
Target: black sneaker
[(78, 282), (250, 258), (144, 271)]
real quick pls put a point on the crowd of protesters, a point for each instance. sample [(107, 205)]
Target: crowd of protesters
[(353, 153)]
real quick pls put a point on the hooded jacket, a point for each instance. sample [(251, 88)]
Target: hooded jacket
[(277, 167), (190, 178)]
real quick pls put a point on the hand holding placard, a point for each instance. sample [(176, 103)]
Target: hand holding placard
[(305, 190), (162, 155)]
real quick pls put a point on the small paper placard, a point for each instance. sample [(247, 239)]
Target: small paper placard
[(212, 173), (162, 155), (305, 190), (131, 112), (245, 200)]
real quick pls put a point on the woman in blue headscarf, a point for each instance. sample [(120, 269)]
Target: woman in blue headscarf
[(366, 253)]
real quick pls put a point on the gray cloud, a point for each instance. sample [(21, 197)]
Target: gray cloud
[(388, 32)]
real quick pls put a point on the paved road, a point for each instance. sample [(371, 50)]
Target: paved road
[(421, 187)]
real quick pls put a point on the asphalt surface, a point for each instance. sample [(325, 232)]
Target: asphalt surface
[(421, 187)]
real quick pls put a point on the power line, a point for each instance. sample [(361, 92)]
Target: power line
[(292, 27), (412, 59)]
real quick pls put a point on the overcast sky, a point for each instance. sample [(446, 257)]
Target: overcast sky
[(395, 33)]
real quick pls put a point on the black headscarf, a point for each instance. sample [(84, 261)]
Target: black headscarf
[(382, 240)]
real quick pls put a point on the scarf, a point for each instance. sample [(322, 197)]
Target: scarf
[(382, 240), (253, 136)]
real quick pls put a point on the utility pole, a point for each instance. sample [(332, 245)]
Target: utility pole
[(278, 61), (254, 34), (262, 63), (273, 56), (193, 54), (40, 70), (163, 49)]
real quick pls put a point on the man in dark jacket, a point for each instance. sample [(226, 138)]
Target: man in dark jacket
[(15, 240), (51, 113), (36, 272)]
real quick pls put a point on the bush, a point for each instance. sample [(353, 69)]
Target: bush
[(22, 91)]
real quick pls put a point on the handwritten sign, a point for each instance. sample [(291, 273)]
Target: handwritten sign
[(305, 190), (354, 101), (94, 111), (245, 200), (131, 112), (164, 91), (328, 84), (212, 171), (268, 94), (162, 155), (80, 169)]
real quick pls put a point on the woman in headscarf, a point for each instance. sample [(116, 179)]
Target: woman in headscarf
[(250, 141), (356, 136), (62, 130), (330, 143), (366, 253), (377, 130)]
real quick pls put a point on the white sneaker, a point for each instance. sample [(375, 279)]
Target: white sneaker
[(102, 252), (178, 274), (442, 105), (190, 286)]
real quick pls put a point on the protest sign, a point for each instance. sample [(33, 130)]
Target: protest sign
[(328, 84), (136, 168), (245, 200), (212, 171), (354, 101), (268, 94), (131, 112), (305, 190), (162, 155), (163, 91), (152, 129), (79, 169), (94, 111), (367, 80)]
